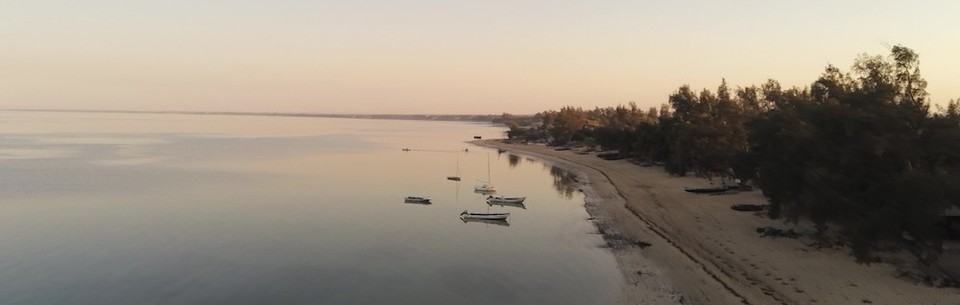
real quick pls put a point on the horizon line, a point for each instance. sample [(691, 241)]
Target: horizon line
[(420, 117)]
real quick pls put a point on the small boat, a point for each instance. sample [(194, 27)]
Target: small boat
[(406, 149), (485, 188), (503, 222), (416, 199), (484, 216), (505, 199), (508, 204), (457, 177), (501, 150)]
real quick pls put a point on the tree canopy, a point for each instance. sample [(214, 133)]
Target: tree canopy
[(857, 150)]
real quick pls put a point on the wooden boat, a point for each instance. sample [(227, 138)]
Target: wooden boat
[(508, 204), (487, 221), (416, 199), (505, 199), (485, 216)]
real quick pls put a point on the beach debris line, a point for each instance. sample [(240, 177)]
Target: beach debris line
[(774, 232), (613, 155), (614, 240), (749, 207), (719, 189)]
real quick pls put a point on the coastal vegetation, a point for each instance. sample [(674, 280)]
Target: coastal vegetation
[(858, 153)]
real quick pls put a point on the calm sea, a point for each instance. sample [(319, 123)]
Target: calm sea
[(110, 208)]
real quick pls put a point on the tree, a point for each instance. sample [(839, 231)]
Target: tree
[(861, 152)]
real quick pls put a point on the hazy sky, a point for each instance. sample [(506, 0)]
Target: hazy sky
[(486, 56)]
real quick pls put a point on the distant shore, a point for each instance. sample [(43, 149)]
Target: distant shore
[(478, 118), (674, 247)]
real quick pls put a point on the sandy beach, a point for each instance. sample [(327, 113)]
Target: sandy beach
[(675, 247)]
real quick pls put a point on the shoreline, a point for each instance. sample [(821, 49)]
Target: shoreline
[(674, 247)]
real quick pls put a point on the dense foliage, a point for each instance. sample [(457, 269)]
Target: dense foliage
[(860, 151)]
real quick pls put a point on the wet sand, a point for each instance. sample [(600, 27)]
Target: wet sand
[(675, 247)]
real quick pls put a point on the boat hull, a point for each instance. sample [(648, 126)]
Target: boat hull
[(485, 188), (415, 199), (485, 216), (503, 223), (499, 199)]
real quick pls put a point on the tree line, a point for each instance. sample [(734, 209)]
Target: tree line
[(860, 151)]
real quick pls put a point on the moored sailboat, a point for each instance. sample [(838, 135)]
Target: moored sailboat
[(457, 177), (486, 187)]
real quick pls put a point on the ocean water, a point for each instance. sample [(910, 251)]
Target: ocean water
[(122, 208)]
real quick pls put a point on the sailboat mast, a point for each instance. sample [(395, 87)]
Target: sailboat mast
[(489, 178)]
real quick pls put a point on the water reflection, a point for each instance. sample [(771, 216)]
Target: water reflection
[(513, 159), (170, 209), (563, 181)]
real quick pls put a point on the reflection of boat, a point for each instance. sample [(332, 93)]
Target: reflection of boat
[(416, 199), (484, 216), (505, 199), (487, 221), (486, 187), (710, 190)]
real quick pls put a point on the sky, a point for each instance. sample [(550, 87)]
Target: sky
[(442, 57)]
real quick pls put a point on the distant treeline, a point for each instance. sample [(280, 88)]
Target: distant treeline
[(859, 150)]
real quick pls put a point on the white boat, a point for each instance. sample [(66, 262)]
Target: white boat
[(505, 199), (416, 199), (486, 187), (485, 216)]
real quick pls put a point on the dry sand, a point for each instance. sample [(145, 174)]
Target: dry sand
[(675, 247)]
